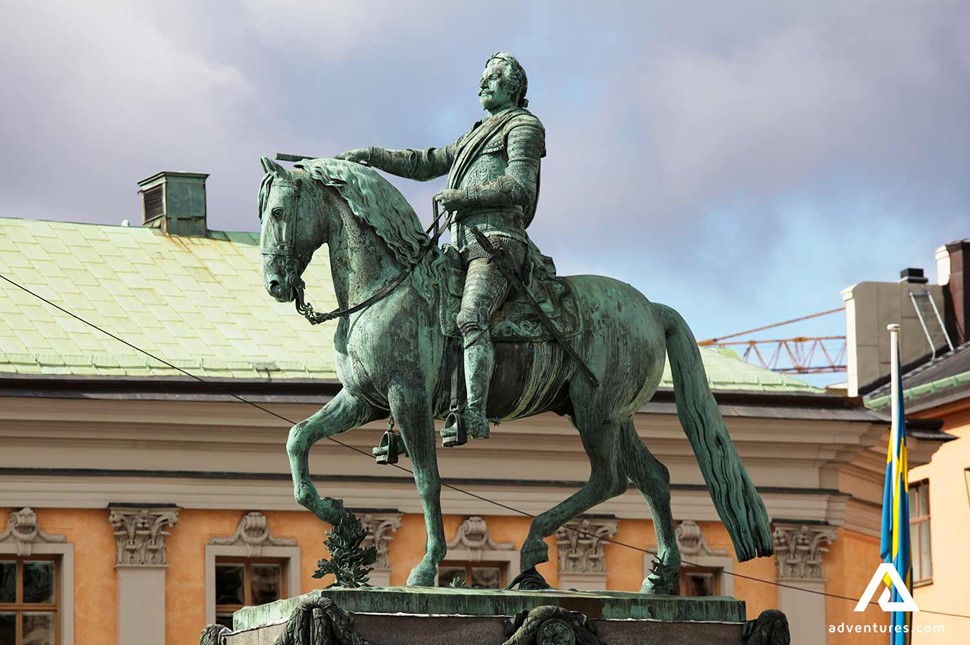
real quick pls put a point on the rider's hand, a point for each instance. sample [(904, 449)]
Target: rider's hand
[(357, 154), (450, 199)]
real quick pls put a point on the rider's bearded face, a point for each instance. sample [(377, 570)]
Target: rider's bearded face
[(495, 88)]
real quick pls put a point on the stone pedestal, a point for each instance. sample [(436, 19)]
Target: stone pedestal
[(399, 616)]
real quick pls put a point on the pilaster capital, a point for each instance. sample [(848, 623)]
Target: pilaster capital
[(380, 527), (581, 543), (799, 550), (140, 533)]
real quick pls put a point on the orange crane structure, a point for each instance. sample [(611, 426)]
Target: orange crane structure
[(797, 355)]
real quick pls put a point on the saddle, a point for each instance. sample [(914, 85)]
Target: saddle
[(516, 319)]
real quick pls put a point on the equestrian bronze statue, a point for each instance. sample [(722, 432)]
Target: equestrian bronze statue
[(411, 314)]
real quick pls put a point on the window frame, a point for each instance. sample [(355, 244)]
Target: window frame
[(716, 573), (915, 520), (22, 607), (501, 565), (63, 555), (289, 556), (247, 564)]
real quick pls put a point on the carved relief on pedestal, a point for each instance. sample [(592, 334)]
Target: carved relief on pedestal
[(140, 534), (581, 543), (799, 550), (253, 534), (473, 539), (379, 527), (690, 541), (23, 532)]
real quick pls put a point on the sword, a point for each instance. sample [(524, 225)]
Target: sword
[(500, 257)]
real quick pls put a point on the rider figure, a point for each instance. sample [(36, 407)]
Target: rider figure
[(493, 172)]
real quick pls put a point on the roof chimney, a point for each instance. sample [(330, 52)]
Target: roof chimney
[(870, 306), (174, 202), (957, 306), (913, 275)]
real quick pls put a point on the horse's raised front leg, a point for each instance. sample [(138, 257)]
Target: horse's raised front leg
[(411, 408), (342, 413)]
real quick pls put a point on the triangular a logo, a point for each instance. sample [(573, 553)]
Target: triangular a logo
[(886, 569)]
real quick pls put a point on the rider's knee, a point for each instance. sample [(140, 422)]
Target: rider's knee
[(471, 323)]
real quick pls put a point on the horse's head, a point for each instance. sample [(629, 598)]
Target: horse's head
[(288, 236)]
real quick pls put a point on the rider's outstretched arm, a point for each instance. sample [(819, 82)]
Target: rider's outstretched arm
[(410, 164)]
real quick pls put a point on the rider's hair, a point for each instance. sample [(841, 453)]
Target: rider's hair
[(516, 75)]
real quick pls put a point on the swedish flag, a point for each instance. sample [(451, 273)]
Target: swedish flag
[(895, 544)]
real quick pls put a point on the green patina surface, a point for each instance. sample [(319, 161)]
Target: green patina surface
[(611, 605), (191, 301)]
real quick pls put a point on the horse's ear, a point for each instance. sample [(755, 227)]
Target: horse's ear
[(271, 166)]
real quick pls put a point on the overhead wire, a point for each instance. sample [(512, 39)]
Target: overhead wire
[(445, 484)]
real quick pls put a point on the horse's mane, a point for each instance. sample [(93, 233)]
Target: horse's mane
[(375, 201)]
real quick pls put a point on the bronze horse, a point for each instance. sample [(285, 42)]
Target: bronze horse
[(389, 359)]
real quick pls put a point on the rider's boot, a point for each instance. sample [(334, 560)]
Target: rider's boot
[(479, 358), (479, 363)]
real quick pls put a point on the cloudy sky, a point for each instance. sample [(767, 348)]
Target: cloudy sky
[(742, 162)]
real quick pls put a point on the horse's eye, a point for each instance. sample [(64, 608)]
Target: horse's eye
[(277, 212)]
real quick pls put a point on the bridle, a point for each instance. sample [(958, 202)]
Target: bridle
[(292, 260)]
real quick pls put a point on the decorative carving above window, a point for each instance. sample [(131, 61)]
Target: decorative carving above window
[(581, 543), (23, 532), (472, 537), (799, 551), (691, 542), (253, 534), (140, 534)]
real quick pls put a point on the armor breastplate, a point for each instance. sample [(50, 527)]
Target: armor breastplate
[(505, 221), (489, 165)]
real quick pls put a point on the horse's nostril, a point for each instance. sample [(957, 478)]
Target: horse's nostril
[(274, 286)]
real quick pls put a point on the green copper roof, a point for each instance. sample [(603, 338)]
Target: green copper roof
[(198, 303)]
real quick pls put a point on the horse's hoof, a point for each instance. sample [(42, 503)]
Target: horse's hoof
[(421, 578), (529, 580), (663, 580)]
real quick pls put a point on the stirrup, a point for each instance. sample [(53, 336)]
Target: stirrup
[(455, 432), (392, 446)]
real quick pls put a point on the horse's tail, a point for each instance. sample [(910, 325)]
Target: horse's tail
[(736, 499)]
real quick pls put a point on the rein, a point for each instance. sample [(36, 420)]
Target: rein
[(305, 309)]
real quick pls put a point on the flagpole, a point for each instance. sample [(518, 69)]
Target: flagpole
[(894, 330), (895, 545)]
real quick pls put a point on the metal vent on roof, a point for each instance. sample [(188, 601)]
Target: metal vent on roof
[(153, 203)]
